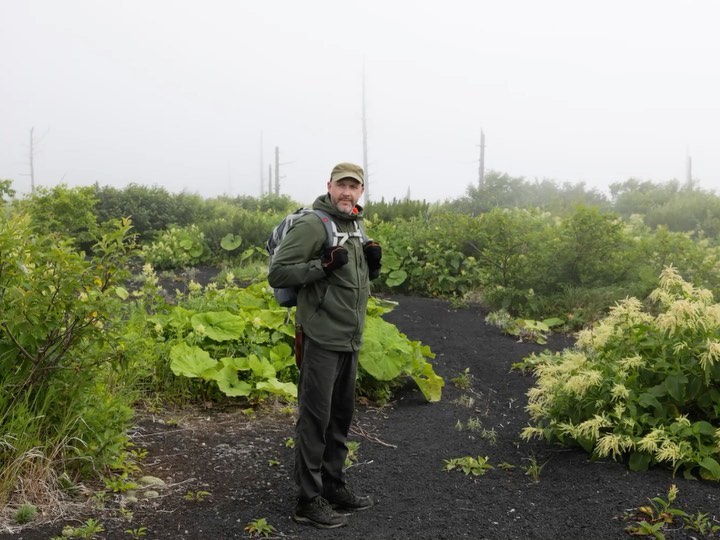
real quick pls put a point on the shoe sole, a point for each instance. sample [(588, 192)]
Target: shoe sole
[(307, 521), (348, 510)]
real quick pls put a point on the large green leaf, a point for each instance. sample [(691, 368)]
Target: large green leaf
[(675, 385), (274, 386), (395, 278), (710, 469), (191, 361), (230, 241), (639, 461), (261, 367), (281, 356), (384, 353), (228, 382), (429, 383), (219, 325)]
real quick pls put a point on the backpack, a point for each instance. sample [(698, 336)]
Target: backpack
[(287, 296)]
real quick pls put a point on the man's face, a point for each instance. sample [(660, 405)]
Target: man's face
[(345, 193)]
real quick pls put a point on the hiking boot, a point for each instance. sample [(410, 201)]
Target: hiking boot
[(318, 513), (342, 498)]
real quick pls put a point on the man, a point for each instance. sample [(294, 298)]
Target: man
[(332, 300)]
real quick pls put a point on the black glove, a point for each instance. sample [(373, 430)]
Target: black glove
[(373, 255), (333, 258)]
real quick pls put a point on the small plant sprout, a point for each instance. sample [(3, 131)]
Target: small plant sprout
[(465, 401), (469, 465), (474, 424), (289, 442), (462, 381), (25, 514), (533, 468), (459, 425), (136, 533), (196, 496), (352, 455), (700, 522), (505, 466), (288, 410), (490, 435), (259, 527), (273, 463), (661, 514), (88, 530)]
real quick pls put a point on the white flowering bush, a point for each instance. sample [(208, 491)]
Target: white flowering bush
[(640, 385)]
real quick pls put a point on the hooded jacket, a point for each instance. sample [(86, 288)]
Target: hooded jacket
[(330, 308)]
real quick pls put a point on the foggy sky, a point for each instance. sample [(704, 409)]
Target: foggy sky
[(180, 94)]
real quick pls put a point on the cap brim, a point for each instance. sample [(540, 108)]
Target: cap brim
[(342, 176)]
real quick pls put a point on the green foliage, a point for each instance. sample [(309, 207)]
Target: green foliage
[(177, 248), (388, 355), (88, 530), (639, 385), (661, 515), (25, 514), (533, 468), (65, 212), (242, 342), (462, 380), (426, 255), (152, 209), (138, 532), (524, 329), (60, 355), (6, 191), (259, 527), (680, 208), (196, 496), (396, 209), (469, 465), (499, 190)]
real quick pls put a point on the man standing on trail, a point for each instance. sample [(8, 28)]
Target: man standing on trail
[(333, 293)]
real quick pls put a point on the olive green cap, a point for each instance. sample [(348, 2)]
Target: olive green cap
[(347, 170)]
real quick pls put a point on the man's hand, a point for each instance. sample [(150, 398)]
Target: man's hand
[(333, 258), (373, 255)]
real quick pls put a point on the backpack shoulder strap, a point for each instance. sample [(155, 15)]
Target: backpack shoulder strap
[(329, 225)]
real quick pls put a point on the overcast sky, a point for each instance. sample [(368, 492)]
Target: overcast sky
[(180, 94)]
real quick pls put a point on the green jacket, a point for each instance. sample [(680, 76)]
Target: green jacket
[(331, 309)]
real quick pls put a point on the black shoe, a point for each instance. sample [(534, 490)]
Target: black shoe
[(318, 513), (342, 498)]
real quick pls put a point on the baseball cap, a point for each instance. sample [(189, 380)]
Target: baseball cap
[(347, 170)]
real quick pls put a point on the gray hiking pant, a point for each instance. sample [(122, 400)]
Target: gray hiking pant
[(326, 402)]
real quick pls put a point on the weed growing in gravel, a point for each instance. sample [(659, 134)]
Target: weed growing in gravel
[(136, 533), (656, 516), (86, 531), (465, 401), (661, 514), (289, 442), (469, 465), (196, 496), (462, 381), (352, 455), (259, 527), (489, 435), (533, 468)]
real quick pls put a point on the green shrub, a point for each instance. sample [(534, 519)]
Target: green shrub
[(60, 356)]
